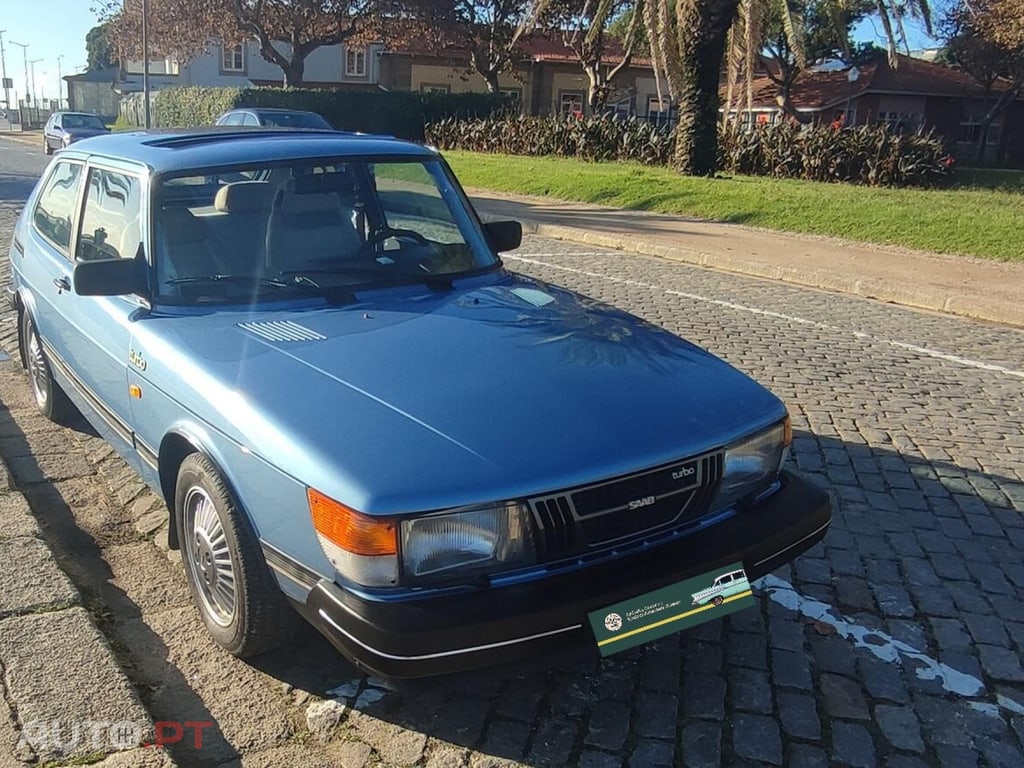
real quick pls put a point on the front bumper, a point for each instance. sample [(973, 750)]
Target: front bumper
[(482, 626)]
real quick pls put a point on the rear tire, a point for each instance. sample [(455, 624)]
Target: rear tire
[(237, 597), (49, 397)]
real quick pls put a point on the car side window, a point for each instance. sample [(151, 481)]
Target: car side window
[(250, 120), (111, 218), (233, 119), (55, 209)]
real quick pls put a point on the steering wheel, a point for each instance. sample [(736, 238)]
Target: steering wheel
[(385, 233)]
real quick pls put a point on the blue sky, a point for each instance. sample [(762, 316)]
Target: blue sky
[(50, 28), (53, 28)]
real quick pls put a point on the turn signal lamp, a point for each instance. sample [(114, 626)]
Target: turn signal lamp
[(360, 547)]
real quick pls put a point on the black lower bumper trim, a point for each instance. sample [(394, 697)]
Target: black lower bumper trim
[(482, 626)]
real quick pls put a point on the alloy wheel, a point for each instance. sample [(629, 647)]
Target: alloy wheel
[(209, 556)]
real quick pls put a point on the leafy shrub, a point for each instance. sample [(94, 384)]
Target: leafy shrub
[(590, 138), (395, 113), (871, 155)]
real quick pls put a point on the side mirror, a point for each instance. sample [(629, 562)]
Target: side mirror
[(504, 235), (106, 277)]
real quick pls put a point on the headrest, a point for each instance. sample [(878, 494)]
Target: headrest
[(293, 203), (244, 196), (178, 225), (319, 183)]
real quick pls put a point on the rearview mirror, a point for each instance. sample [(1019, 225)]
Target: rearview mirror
[(504, 235), (106, 277)]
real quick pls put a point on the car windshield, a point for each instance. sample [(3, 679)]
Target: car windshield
[(82, 121), (315, 227), (294, 120)]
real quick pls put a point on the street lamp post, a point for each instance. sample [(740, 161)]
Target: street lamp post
[(145, 62), (32, 64), (24, 53), (3, 69), (60, 84)]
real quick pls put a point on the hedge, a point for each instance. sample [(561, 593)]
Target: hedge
[(396, 113)]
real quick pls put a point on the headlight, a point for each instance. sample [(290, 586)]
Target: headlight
[(752, 464), (489, 539)]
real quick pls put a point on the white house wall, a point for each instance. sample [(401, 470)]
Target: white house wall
[(324, 65)]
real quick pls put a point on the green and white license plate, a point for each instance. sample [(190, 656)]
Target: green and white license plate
[(671, 609)]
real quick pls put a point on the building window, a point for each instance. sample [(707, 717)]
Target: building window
[(435, 88), (620, 110), (233, 59), (570, 104), (899, 122), (355, 62), (662, 112), (511, 95), (970, 132)]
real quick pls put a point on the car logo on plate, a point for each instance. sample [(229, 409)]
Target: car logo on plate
[(613, 622), (646, 501)]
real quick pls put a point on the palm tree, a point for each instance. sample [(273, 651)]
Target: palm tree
[(688, 43)]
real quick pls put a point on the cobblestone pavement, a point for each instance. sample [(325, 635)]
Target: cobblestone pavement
[(896, 642)]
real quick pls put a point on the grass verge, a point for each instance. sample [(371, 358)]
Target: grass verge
[(981, 216)]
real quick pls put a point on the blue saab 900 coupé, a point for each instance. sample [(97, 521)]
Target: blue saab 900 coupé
[(307, 344)]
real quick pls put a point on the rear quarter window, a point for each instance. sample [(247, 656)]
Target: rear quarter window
[(55, 209)]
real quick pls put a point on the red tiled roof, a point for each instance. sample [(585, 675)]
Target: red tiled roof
[(814, 91)]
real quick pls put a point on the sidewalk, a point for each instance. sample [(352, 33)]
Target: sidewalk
[(986, 290)]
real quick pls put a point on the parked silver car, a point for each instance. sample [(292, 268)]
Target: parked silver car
[(274, 118)]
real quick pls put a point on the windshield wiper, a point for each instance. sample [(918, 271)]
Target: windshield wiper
[(306, 286), (384, 273)]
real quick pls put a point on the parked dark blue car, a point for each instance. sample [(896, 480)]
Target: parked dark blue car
[(307, 343), (65, 128)]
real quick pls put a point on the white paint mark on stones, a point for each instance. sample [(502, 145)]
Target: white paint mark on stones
[(887, 648), (925, 351)]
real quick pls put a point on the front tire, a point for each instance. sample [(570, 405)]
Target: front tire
[(238, 599), (49, 397), (46, 146)]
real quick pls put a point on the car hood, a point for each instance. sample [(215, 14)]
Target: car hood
[(429, 401), (84, 133)]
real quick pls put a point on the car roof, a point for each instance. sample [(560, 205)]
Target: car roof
[(273, 110), (165, 151)]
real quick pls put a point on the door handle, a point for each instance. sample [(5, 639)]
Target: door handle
[(62, 283)]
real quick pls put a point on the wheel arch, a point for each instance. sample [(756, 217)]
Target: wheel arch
[(23, 304), (175, 447)]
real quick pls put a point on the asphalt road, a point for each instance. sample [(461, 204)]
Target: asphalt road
[(897, 642)]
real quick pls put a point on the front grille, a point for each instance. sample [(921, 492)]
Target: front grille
[(626, 508)]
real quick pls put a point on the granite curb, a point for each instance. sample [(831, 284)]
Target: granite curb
[(64, 698)]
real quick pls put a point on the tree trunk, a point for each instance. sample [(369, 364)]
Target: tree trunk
[(701, 49), (294, 72), (491, 78)]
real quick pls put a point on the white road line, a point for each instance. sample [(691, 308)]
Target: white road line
[(925, 351), (887, 648)]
